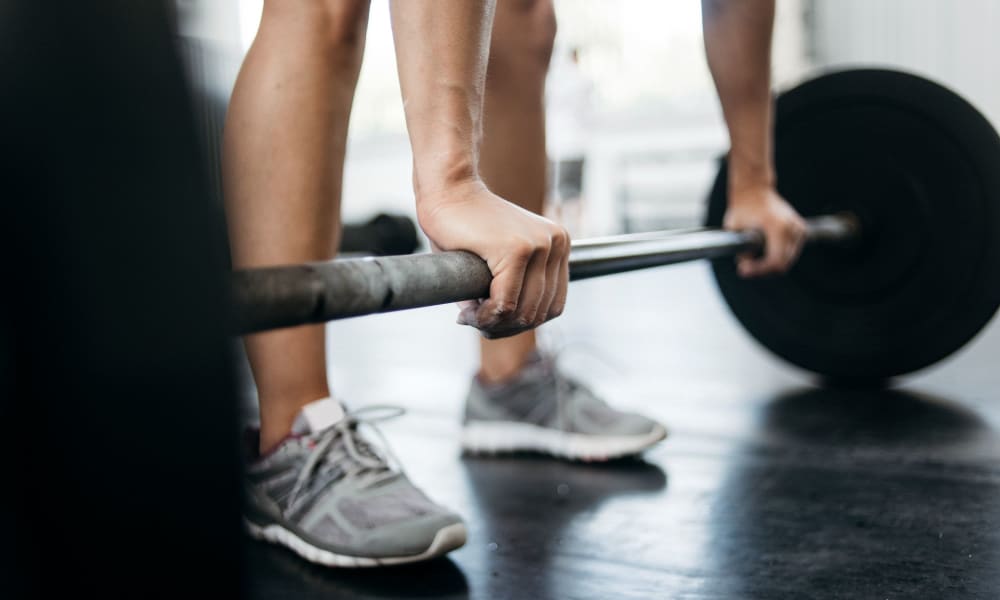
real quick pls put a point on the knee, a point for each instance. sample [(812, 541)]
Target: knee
[(344, 22), (338, 24), (523, 35)]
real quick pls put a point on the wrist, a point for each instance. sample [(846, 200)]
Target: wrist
[(445, 148), (434, 181), (746, 175), (442, 190)]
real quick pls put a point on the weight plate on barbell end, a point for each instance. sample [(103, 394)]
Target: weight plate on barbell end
[(920, 167)]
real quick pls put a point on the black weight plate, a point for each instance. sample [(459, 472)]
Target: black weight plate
[(921, 168)]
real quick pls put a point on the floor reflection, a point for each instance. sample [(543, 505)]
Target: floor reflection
[(277, 573), (860, 494), (876, 417), (529, 508)]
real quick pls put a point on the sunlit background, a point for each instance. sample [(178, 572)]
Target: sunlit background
[(654, 128)]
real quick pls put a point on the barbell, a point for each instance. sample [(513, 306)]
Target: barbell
[(899, 179)]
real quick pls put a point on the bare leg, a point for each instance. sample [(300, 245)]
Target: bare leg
[(513, 160), (285, 139)]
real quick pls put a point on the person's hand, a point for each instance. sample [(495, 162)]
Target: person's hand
[(527, 254), (761, 208)]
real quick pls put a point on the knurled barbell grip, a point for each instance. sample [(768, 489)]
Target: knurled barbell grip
[(285, 296)]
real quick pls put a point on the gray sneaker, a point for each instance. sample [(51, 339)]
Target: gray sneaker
[(543, 410), (331, 497)]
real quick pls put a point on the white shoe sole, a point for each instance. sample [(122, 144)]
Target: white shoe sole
[(505, 436), (446, 540)]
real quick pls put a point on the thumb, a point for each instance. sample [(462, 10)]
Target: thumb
[(505, 289)]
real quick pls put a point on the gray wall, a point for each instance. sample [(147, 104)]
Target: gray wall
[(954, 42)]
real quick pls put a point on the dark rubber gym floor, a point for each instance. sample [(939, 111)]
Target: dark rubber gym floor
[(768, 487)]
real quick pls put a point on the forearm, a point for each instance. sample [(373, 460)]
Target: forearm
[(738, 46), (442, 48)]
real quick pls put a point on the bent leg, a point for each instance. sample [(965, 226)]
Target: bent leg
[(284, 145), (513, 159)]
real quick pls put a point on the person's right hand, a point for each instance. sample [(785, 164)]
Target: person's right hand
[(527, 254)]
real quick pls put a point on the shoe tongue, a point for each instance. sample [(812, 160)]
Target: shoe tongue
[(317, 416)]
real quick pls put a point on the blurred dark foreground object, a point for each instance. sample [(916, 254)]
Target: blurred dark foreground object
[(116, 388), (383, 235)]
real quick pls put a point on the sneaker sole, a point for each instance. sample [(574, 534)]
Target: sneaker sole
[(504, 437), (445, 540)]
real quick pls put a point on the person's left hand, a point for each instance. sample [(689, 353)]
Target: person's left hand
[(762, 208)]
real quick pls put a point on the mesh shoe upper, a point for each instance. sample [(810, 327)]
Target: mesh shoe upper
[(542, 395), (334, 490)]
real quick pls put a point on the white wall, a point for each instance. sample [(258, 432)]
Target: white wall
[(790, 60), (210, 20), (954, 42), (646, 56)]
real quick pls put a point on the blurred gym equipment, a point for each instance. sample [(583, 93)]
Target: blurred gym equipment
[(383, 234)]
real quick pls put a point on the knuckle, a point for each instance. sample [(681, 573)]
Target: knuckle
[(543, 244), (522, 249), (560, 238), (505, 307)]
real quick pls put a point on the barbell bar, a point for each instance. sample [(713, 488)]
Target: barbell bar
[(286, 296)]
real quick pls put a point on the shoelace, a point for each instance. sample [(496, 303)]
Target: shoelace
[(567, 387), (362, 457)]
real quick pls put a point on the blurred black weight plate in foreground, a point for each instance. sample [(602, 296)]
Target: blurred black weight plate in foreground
[(117, 398)]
